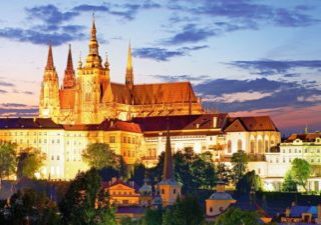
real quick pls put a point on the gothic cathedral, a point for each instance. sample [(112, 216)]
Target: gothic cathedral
[(89, 97)]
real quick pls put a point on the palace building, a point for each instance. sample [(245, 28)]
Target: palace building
[(88, 96), (131, 118)]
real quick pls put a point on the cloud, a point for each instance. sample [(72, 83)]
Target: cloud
[(236, 97), (6, 84), (50, 14), (40, 37), (256, 94), (273, 67), (91, 8), (164, 54), (17, 109), (175, 78), (190, 34)]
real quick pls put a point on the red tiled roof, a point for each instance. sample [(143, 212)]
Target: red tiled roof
[(251, 123), (309, 137), (179, 122)]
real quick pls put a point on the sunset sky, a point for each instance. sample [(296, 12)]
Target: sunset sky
[(243, 56)]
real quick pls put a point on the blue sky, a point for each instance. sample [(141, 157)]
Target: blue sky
[(243, 56)]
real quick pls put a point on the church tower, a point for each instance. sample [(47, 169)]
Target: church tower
[(49, 95), (170, 189), (129, 70), (92, 79)]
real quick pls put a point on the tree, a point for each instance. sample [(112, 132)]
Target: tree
[(223, 173), (29, 207), (85, 203), (8, 161), (239, 161), (184, 212), (192, 170), (235, 216), (99, 155), (152, 217), (300, 171), (248, 182), (289, 185), (29, 162)]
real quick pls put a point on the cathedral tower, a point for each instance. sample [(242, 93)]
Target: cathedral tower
[(170, 189), (49, 95), (93, 80)]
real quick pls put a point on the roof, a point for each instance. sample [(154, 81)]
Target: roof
[(28, 123), (309, 137), (221, 196), (47, 123), (148, 94), (179, 122), (121, 182), (296, 211), (251, 123), (178, 92)]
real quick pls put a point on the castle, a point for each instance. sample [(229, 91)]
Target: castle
[(89, 97)]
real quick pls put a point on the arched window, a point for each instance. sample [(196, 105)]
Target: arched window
[(252, 146), (229, 146), (266, 146), (260, 146), (239, 145)]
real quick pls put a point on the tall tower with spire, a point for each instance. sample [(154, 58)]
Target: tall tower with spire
[(49, 95), (129, 69), (92, 82), (170, 189)]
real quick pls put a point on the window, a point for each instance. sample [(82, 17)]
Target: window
[(229, 147), (260, 146), (252, 146), (239, 145), (112, 139), (52, 157), (163, 191), (58, 157), (174, 191)]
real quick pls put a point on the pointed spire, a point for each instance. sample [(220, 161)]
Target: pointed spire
[(70, 66), (93, 58), (69, 78), (168, 170), (129, 58), (106, 62), (129, 69), (50, 63)]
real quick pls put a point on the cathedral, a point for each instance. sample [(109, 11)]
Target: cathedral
[(88, 96)]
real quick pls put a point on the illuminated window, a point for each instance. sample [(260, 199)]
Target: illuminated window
[(239, 145), (252, 146), (112, 139), (229, 146), (58, 157)]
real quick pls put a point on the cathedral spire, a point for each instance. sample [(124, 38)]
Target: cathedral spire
[(129, 69), (93, 58), (168, 170), (50, 63), (69, 78)]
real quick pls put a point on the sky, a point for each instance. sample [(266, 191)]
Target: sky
[(245, 57)]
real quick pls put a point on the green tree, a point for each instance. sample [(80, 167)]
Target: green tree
[(248, 182), (235, 216), (239, 162), (153, 217), (29, 207), (223, 173), (300, 171), (184, 212), (85, 203), (289, 185), (8, 160), (99, 155), (192, 170), (29, 162)]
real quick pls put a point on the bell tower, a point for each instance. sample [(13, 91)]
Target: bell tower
[(92, 80), (49, 95), (170, 189)]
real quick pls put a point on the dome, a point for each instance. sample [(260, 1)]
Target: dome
[(145, 189), (221, 196)]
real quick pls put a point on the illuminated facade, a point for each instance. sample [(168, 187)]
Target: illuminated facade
[(89, 96)]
